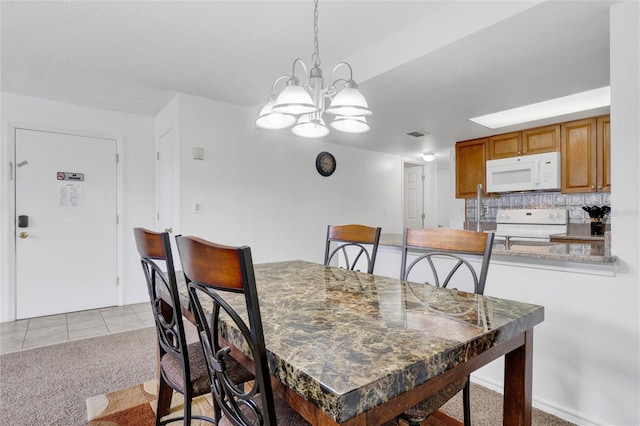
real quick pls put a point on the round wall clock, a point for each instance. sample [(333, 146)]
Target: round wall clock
[(325, 163)]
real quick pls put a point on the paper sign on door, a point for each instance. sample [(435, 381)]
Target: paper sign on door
[(71, 194)]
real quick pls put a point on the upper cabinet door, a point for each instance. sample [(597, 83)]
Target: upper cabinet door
[(505, 145), (541, 139), (471, 157), (530, 141), (586, 158), (603, 154), (579, 156)]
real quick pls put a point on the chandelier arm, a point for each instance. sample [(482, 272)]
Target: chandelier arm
[(331, 87), (337, 66), (277, 80), (304, 66)]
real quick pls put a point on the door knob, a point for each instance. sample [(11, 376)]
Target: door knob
[(169, 230), (23, 235)]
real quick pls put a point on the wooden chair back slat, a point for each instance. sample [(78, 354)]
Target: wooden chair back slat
[(456, 240), (149, 243), (356, 233), (227, 272)]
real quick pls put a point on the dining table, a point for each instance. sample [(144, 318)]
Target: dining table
[(350, 348)]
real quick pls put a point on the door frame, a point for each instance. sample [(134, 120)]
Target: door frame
[(8, 283)]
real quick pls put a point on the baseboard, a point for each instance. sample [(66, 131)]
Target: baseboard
[(545, 406)]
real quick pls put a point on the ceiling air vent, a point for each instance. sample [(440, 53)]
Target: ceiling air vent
[(416, 134)]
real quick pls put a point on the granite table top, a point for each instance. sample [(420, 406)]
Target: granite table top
[(347, 341), (593, 252)]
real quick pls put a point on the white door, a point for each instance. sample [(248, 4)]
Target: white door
[(66, 253), (413, 196)]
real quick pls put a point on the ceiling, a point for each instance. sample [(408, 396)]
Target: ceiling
[(425, 66)]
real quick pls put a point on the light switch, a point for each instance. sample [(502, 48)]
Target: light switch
[(198, 153), (197, 207)]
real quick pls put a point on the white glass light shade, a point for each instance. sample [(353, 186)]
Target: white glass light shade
[(349, 102), (428, 156), (351, 124), (269, 119), (310, 128), (294, 100)]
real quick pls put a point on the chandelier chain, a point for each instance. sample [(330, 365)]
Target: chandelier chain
[(316, 49)]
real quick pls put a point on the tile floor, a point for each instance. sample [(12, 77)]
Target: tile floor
[(49, 330)]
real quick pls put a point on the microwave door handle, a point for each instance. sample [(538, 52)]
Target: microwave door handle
[(536, 175)]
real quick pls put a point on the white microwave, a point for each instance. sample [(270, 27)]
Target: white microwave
[(525, 173)]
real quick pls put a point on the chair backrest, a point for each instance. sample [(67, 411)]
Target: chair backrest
[(155, 249), (451, 245), (350, 241), (212, 272)]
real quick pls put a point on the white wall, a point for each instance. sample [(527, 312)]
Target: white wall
[(136, 171), (261, 188), (586, 352)]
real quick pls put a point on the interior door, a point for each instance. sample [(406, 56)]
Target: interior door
[(413, 196), (66, 217)]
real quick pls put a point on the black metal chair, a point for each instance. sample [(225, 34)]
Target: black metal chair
[(450, 246), (214, 273), (182, 366), (350, 240)]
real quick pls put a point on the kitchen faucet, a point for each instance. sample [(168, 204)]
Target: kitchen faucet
[(479, 208)]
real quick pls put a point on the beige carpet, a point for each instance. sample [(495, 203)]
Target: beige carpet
[(136, 406), (50, 385)]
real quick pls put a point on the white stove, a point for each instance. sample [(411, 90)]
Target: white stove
[(530, 224)]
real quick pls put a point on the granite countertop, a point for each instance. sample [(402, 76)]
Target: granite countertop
[(592, 252), (348, 341), (572, 252), (579, 232)]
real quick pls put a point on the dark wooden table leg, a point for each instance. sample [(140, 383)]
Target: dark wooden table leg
[(517, 384)]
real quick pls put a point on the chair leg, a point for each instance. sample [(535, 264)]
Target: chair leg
[(164, 400), (466, 402), (187, 410)]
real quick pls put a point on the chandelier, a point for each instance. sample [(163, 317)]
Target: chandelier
[(302, 104)]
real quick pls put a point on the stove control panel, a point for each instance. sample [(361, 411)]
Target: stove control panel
[(533, 216)]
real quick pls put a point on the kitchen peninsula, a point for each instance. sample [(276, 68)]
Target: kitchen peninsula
[(591, 252)]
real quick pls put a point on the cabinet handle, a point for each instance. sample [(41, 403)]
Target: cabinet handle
[(524, 152), (593, 187), (599, 186)]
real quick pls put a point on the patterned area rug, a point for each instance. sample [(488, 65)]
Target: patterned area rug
[(136, 406)]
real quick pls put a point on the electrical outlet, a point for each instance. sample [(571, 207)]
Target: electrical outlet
[(197, 207)]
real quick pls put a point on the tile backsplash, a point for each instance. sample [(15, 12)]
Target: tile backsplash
[(541, 200)]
